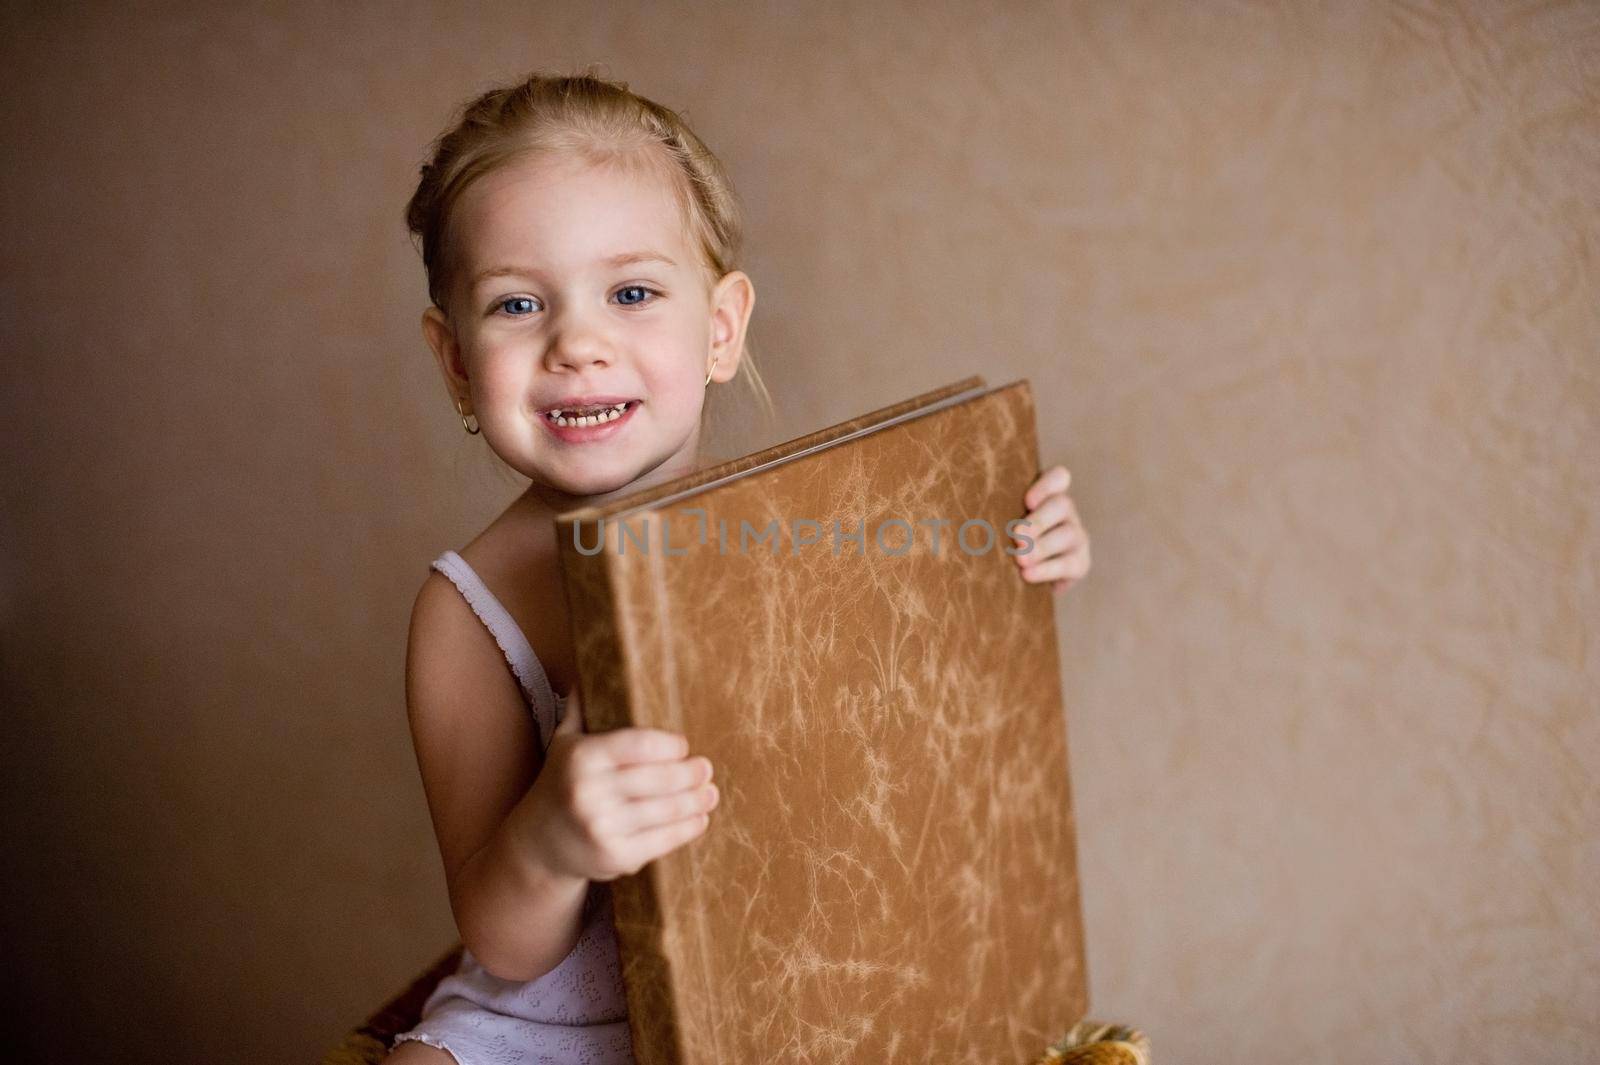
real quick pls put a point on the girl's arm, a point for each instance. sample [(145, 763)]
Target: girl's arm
[(478, 752)]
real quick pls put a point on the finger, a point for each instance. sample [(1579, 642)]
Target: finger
[(660, 778), (1055, 510), (1073, 565), (1050, 482), (633, 746), (641, 815), (571, 722), (1033, 528), (1053, 480), (657, 841), (1053, 544)]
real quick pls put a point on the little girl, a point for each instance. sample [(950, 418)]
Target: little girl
[(579, 242)]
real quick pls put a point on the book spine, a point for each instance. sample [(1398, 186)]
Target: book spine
[(598, 594)]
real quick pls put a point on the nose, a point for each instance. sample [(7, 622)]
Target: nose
[(576, 343)]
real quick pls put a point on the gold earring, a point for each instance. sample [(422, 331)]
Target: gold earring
[(713, 367), (473, 429)]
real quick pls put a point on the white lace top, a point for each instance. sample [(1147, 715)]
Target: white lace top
[(577, 1013)]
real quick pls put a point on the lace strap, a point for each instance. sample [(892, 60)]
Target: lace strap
[(548, 708)]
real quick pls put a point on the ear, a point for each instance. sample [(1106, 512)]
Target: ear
[(732, 300), (441, 337)]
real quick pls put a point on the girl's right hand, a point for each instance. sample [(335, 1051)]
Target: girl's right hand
[(605, 805)]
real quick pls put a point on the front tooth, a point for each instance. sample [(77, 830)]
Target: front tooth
[(609, 414)]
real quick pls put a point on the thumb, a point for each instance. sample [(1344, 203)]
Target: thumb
[(572, 717)]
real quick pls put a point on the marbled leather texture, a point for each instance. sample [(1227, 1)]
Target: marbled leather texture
[(890, 874)]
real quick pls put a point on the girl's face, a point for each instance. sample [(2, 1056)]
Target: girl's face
[(573, 286)]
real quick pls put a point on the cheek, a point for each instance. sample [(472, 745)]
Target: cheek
[(679, 357), (500, 376)]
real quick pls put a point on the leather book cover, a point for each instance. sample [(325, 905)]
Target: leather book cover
[(837, 623)]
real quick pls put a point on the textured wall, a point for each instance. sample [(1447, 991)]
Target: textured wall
[(1308, 295)]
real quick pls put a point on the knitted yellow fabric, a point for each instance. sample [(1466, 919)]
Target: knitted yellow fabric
[(1093, 1043)]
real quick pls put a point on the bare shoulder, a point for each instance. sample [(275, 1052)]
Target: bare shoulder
[(477, 746), (517, 558), (453, 664)]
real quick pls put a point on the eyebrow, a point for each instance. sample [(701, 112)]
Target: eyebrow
[(627, 258)]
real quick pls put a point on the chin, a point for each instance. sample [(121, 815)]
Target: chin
[(580, 476), (590, 482)]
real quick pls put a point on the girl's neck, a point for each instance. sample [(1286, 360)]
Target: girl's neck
[(554, 501)]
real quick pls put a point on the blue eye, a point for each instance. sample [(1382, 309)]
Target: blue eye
[(516, 299), (637, 288)]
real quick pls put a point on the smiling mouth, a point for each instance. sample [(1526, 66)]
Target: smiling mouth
[(597, 414)]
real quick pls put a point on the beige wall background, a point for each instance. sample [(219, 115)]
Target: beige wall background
[(1308, 297)]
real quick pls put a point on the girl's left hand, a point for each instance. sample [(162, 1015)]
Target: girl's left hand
[(1060, 549)]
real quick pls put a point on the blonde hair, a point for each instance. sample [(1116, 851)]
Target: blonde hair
[(603, 123)]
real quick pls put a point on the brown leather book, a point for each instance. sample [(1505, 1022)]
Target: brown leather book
[(890, 873)]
